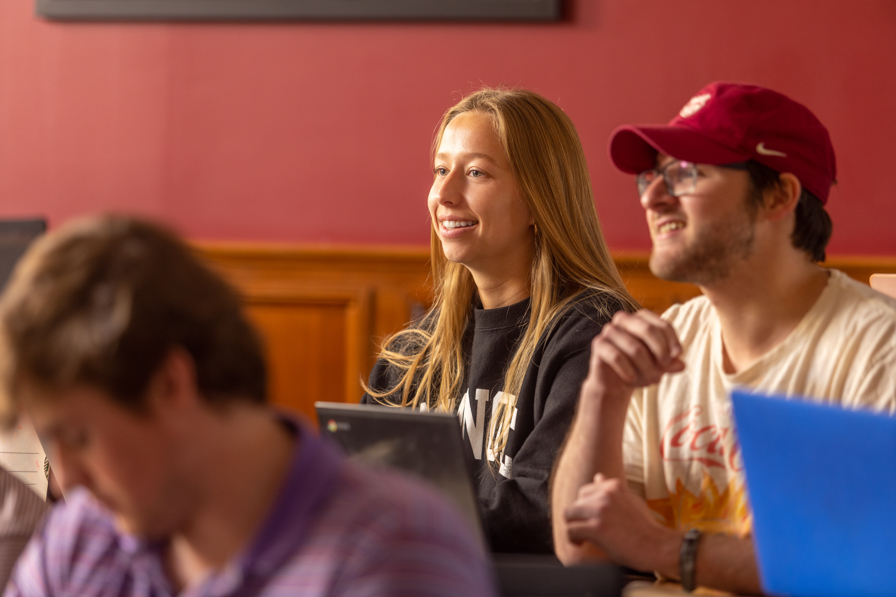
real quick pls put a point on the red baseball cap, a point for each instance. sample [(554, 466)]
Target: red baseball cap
[(733, 122)]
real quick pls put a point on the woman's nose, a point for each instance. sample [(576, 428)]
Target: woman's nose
[(447, 190)]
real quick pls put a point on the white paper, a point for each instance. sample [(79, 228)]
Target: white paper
[(22, 455)]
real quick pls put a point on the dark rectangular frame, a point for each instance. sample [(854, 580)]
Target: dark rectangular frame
[(300, 10)]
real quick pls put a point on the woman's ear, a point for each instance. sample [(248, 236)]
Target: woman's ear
[(782, 199)]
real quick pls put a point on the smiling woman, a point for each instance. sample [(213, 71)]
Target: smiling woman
[(523, 282), (478, 213)]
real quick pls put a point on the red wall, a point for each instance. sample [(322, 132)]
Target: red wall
[(320, 132)]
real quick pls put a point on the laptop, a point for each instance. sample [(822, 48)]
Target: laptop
[(21, 451), (426, 445), (822, 486), (429, 445), (15, 238)]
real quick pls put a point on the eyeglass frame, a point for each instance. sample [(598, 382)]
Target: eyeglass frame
[(670, 190)]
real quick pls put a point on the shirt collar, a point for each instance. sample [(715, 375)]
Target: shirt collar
[(313, 471), (309, 481)]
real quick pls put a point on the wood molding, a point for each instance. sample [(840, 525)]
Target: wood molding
[(861, 268), (324, 310), (658, 295), (651, 292)]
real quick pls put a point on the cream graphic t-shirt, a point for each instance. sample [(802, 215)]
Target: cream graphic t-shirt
[(681, 451)]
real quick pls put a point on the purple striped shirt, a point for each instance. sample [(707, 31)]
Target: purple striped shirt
[(335, 529), (20, 511)]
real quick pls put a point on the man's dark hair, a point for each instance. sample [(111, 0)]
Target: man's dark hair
[(103, 301), (813, 227)]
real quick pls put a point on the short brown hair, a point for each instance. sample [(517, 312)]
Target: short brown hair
[(102, 302), (813, 226)]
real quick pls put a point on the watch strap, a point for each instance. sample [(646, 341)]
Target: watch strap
[(687, 559)]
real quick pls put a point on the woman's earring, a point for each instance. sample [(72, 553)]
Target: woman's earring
[(535, 226)]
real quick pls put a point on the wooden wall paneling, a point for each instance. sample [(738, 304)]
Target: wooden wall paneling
[(861, 268), (324, 311), (653, 293), (316, 341), (658, 295)]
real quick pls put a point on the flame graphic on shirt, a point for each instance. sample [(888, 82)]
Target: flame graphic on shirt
[(709, 509)]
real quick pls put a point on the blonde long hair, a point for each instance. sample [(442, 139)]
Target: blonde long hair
[(571, 256)]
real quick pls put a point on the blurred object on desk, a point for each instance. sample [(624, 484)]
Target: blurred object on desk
[(885, 283), (661, 588)]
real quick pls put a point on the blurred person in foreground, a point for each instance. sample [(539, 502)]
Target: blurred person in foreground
[(148, 385)]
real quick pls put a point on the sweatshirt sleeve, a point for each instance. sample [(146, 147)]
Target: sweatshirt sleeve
[(385, 377), (378, 380), (516, 513)]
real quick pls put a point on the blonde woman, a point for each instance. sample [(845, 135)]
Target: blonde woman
[(523, 282)]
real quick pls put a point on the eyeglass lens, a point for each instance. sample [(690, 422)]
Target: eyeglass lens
[(680, 178)]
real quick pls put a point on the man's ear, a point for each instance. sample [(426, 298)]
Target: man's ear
[(172, 389), (782, 199)]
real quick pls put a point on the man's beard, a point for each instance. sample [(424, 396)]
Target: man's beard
[(710, 257)]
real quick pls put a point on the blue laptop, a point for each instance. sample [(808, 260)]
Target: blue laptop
[(822, 485)]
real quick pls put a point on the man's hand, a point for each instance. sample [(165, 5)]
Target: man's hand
[(632, 351), (595, 514), (607, 514)]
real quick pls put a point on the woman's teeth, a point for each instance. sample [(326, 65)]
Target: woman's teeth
[(453, 224)]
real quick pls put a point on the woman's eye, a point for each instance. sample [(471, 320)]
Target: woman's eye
[(440, 171), (476, 173)]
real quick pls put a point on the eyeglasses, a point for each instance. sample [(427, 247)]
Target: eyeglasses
[(680, 177)]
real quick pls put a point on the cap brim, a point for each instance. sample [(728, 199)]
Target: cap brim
[(633, 149)]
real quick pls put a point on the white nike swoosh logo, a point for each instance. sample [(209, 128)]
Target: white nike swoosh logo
[(760, 149)]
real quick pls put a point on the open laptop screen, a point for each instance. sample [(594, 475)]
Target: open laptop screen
[(426, 445), (822, 486), (15, 237)]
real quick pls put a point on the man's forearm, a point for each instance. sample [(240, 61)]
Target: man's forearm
[(723, 562), (594, 445)]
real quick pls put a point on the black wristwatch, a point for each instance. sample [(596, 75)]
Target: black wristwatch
[(687, 560)]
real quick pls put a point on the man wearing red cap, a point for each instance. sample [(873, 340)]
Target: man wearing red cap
[(734, 189)]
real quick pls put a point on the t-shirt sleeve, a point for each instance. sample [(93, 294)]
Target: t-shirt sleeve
[(876, 389), (867, 353)]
